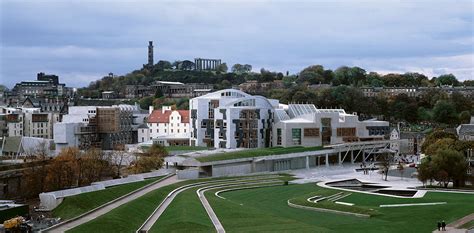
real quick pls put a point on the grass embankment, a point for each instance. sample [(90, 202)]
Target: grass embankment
[(266, 209), (186, 212), (256, 153), (130, 216), (75, 205)]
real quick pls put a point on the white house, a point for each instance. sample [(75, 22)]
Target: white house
[(166, 127)]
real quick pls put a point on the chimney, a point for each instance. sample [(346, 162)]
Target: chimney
[(165, 108), (150, 109)]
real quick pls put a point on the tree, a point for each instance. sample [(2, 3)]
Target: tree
[(151, 159), (34, 178), (158, 93), (222, 68), (146, 102), (464, 117), (434, 136), (447, 79), (312, 75), (92, 166), (384, 162), (239, 68), (62, 172), (117, 158), (452, 165), (444, 112), (163, 65)]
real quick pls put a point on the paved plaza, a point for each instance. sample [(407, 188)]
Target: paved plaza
[(348, 171)]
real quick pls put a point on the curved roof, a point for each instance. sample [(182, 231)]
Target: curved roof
[(224, 93)]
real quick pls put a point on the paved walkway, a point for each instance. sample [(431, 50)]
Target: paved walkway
[(347, 171), (105, 209), (452, 227)]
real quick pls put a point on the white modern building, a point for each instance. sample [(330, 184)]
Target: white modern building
[(234, 119)]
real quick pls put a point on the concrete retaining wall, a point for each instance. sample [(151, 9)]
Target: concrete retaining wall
[(231, 169), (51, 200), (192, 173)]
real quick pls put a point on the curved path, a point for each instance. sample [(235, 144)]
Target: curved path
[(103, 209), (148, 224), (210, 212)]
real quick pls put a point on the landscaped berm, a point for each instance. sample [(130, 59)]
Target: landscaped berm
[(267, 203)]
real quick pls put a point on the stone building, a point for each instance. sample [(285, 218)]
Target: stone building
[(207, 64)]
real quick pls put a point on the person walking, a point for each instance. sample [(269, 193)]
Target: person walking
[(439, 226), (443, 225)]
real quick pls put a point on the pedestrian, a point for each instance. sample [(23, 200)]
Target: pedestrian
[(439, 226), (443, 225)]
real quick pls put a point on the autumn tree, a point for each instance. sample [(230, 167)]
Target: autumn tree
[(151, 159), (92, 166), (63, 170), (34, 177)]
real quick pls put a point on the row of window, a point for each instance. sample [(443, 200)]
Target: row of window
[(40, 131), (166, 124)]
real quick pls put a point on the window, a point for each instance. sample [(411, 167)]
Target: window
[(346, 132), (178, 130), (278, 136), (296, 136), (311, 132)]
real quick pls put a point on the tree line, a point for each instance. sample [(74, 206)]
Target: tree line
[(74, 168), (240, 73), (432, 106)]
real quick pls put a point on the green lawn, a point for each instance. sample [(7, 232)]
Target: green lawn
[(266, 209), (256, 153), (78, 204), (185, 148), (325, 204), (130, 216), (185, 213)]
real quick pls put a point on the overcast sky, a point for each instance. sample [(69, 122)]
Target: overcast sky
[(83, 41)]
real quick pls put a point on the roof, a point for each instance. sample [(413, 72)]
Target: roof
[(143, 126), (170, 83), (465, 129), (159, 116), (12, 144)]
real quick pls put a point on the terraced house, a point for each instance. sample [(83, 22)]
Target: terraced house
[(234, 119)]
